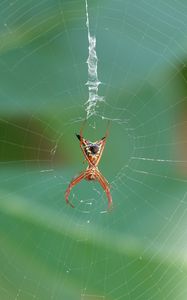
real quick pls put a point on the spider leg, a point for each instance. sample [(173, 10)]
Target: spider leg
[(107, 130), (72, 184), (82, 127), (105, 185), (79, 136)]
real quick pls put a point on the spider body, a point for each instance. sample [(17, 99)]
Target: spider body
[(92, 174), (92, 152)]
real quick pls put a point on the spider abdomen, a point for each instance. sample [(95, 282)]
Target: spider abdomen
[(94, 148)]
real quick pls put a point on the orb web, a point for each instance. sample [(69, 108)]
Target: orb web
[(50, 251)]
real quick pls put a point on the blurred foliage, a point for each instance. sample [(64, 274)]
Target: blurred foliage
[(49, 251)]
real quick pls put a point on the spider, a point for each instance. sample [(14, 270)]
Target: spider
[(92, 152)]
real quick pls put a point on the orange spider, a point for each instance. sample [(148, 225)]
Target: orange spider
[(92, 152)]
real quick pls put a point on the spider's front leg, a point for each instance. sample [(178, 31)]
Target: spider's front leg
[(105, 185), (72, 184)]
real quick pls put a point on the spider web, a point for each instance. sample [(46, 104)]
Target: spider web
[(48, 250)]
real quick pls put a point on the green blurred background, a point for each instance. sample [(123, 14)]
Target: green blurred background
[(48, 250)]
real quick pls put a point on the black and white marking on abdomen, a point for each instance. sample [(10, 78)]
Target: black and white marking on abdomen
[(94, 149)]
